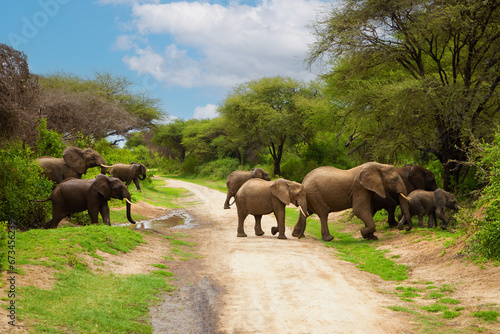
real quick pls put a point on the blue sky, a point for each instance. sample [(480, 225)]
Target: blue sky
[(188, 54)]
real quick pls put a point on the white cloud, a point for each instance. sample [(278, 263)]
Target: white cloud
[(208, 111), (212, 45)]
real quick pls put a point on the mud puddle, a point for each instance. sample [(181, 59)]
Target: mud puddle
[(180, 219)]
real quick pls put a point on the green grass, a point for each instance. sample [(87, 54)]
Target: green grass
[(217, 185), (56, 247), (491, 316), (85, 302)]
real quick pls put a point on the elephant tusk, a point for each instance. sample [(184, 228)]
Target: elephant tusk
[(102, 165), (128, 201), (302, 211), (402, 195)]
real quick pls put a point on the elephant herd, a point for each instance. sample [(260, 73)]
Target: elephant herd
[(366, 189), (72, 194)]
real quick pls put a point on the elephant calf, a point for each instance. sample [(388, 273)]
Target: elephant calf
[(236, 179), (432, 204), (258, 197), (129, 173), (76, 195)]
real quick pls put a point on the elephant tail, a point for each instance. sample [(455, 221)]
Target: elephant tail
[(234, 200)]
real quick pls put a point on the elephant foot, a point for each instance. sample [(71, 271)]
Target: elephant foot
[(274, 230), (259, 233), (282, 236), (327, 237), (294, 234), (241, 235), (226, 206), (371, 237)]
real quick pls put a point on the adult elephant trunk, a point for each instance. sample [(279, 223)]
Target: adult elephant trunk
[(405, 208), (129, 217), (141, 177)]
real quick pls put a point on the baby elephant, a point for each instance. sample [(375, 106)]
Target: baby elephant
[(76, 195), (431, 203), (258, 197), (129, 173), (236, 179)]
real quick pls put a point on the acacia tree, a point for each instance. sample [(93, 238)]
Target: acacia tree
[(19, 95), (271, 111), (414, 75)]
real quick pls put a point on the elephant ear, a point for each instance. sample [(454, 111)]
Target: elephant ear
[(73, 157), (370, 177), (441, 197), (281, 190), (102, 185), (416, 177)]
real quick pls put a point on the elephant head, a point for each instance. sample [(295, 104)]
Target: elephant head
[(380, 179), (446, 200), (140, 170), (111, 187), (420, 178), (81, 159), (290, 192), (260, 173)]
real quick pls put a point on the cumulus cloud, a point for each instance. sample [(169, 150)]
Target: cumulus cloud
[(208, 111), (214, 45)]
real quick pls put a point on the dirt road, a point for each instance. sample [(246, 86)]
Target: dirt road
[(265, 285)]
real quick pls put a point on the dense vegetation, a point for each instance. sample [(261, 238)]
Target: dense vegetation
[(406, 83)]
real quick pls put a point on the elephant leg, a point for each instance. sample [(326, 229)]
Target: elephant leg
[(280, 219), (94, 215), (325, 231), (104, 210), (54, 221), (441, 215), (228, 198), (391, 219), (241, 221), (430, 222), (421, 220), (361, 207), (258, 226), (137, 185)]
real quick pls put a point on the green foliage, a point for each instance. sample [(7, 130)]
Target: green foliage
[(21, 182), (486, 241), (491, 316), (48, 141), (218, 169)]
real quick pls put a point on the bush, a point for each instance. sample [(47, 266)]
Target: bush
[(48, 142), (21, 182), (218, 169)]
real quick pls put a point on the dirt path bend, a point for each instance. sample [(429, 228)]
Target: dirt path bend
[(269, 285)]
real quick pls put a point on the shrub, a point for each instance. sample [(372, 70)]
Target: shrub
[(219, 169), (21, 182), (48, 142)]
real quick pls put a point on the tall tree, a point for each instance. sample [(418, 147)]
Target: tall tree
[(414, 75), (271, 111), (19, 95)]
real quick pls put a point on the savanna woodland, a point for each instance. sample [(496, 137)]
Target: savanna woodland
[(403, 82)]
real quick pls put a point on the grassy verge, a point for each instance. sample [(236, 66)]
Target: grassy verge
[(83, 301)]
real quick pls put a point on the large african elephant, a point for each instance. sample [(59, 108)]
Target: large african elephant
[(329, 189), (74, 163), (258, 197), (128, 173), (236, 179), (76, 195), (414, 177), (432, 204)]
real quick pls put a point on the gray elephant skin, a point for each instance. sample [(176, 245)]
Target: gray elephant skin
[(236, 179), (258, 197), (74, 163), (414, 177), (76, 195), (329, 189), (132, 172), (432, 204)]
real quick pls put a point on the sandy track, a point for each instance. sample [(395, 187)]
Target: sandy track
[(283, 286)]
